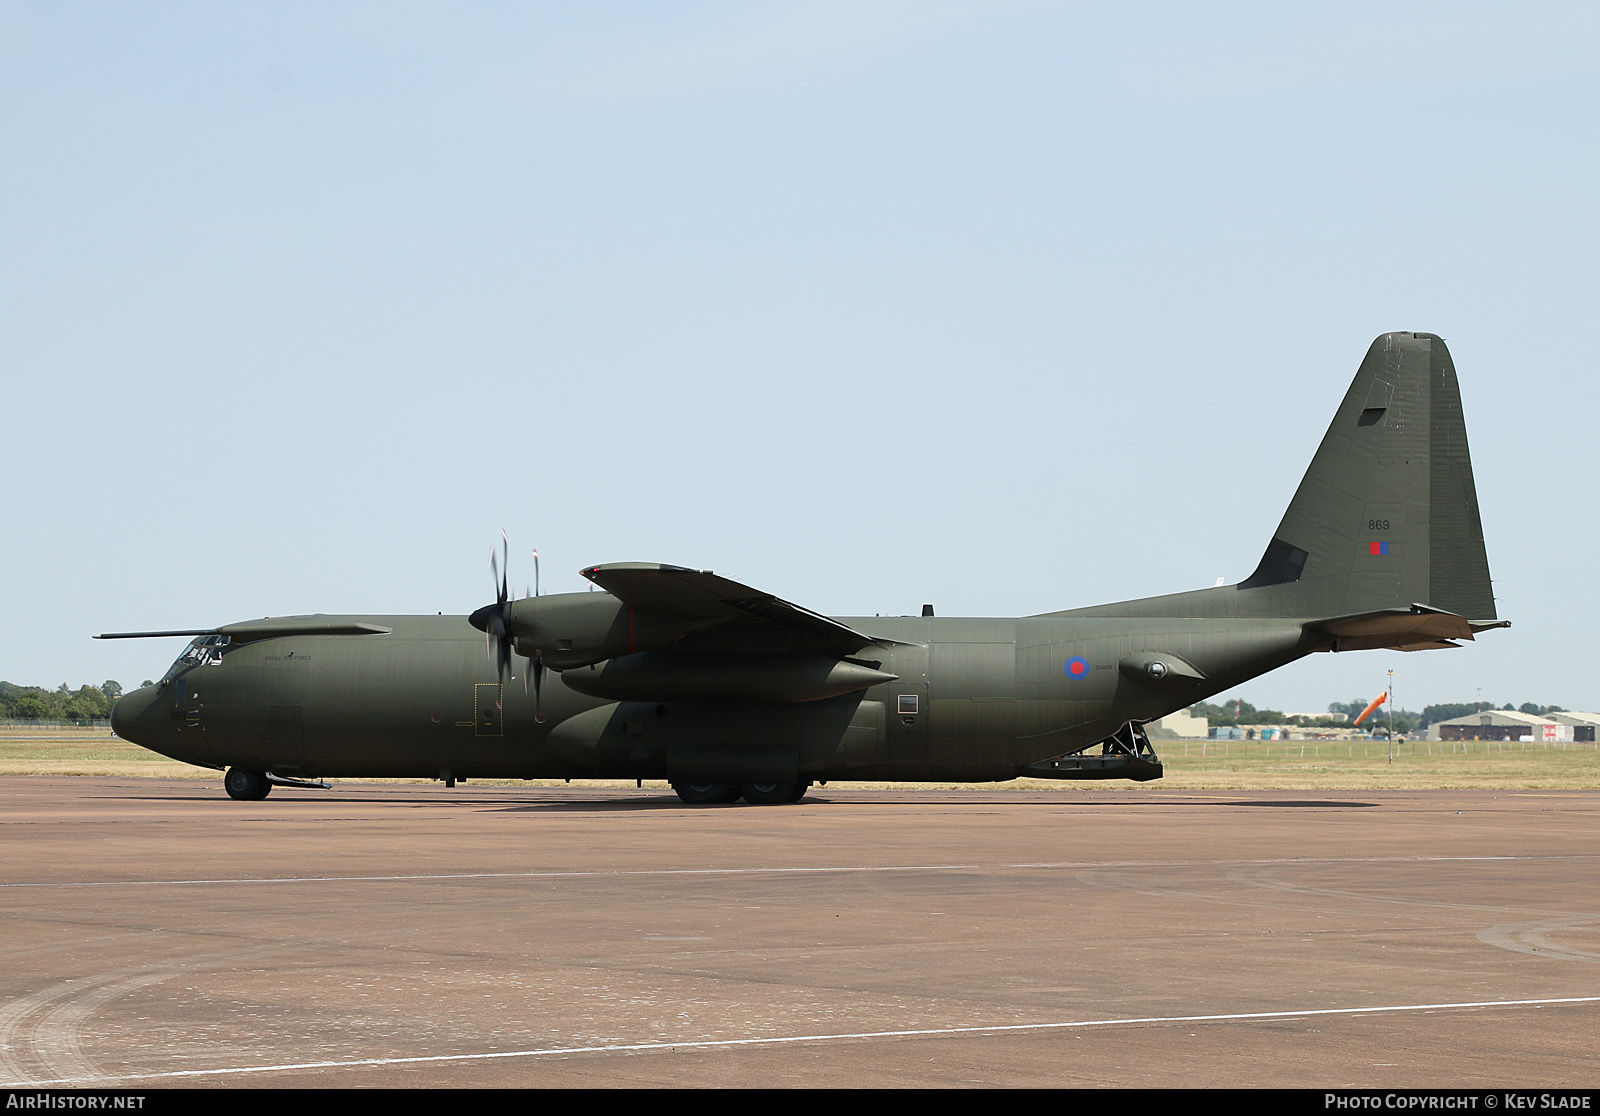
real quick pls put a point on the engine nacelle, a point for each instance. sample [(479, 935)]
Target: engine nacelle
[(569, 630), (689, 676)]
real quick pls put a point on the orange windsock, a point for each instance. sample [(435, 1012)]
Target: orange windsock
[(1377, 701)]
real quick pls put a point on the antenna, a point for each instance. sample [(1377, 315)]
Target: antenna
[(1390, 692)]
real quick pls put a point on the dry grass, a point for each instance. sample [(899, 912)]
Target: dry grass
[(1190, 764), (1368, 765), (84, 751)]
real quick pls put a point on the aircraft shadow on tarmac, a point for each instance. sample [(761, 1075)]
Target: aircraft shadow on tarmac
[(663, 801), (1326, 803), (666, 800)]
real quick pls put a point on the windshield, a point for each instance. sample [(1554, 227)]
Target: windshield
[(207, 650)]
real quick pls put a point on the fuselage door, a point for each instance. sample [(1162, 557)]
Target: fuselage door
[(488, 718), (907, 701)]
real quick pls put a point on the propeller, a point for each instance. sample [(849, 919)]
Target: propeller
[(495, 623), (535, 662)]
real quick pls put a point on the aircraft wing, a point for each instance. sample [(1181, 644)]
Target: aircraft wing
[(273, 627), (1418, 628), (701, 594), (248, 631)]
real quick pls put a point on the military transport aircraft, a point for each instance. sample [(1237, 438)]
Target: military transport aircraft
[(728, 692)]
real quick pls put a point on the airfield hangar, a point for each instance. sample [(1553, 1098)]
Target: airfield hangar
[(1508, 724)]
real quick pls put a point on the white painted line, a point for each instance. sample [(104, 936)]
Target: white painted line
[(711, 1044), (1072, 865), (527, 875)]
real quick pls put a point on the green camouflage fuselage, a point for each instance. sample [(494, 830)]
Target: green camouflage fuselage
[(993, 695), (681, 674)]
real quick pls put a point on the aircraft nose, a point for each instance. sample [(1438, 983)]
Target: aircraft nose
[(135, 717)]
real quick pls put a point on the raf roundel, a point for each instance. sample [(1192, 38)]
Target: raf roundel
[(1077, 667)]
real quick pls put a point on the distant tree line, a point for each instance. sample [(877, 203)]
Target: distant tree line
[(35, 703), (1239, 712)]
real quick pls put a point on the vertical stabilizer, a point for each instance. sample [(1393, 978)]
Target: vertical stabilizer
[(1387, 514)]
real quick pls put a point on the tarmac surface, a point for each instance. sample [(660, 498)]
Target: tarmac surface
[(159, 934)]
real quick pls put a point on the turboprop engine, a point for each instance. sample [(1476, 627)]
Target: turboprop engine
[(665, 633), (680, 676), (566, 630)]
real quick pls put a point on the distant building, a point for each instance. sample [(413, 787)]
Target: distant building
[(1180, 724), (1286, 732), (1508, 724), (1583, 724)]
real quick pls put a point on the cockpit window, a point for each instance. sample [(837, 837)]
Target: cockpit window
[(207, 650)]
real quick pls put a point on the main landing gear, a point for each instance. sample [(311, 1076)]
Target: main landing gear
[(247, 786), (1125, 754), (758, 794)]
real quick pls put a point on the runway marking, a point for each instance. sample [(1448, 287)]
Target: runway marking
[(1264, 879), (52, 1032), (1111, 880), (14, 1016), (1077, 865), (57, 1039), (1534, 937), (36, 1023), (711, 1044)]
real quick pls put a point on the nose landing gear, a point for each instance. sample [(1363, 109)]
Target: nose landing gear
[(247, 786), (253, 786)]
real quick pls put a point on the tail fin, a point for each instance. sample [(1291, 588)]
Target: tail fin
[(1385, 518), (1387, 514)]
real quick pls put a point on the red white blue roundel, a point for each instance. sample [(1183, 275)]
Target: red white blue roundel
[(1077, 667)]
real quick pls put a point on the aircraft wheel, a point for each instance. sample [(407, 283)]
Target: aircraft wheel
[(706, 794), (800, 789), (246, 786), (768, 794)]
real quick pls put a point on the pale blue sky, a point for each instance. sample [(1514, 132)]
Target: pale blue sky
[(1004, 306)]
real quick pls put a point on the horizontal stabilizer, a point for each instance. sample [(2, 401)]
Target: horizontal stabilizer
[(1418, 628)]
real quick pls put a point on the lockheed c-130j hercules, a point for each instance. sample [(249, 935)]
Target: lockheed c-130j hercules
[(728, 692)]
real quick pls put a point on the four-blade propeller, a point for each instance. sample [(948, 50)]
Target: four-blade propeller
[(495, 623)]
